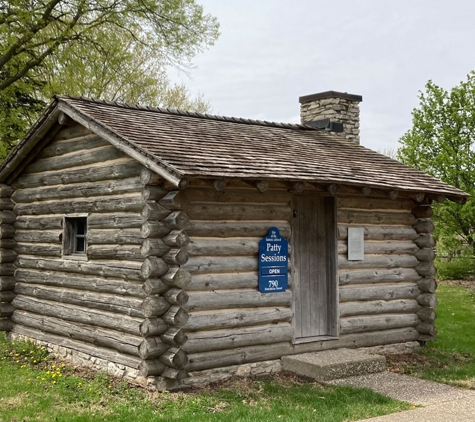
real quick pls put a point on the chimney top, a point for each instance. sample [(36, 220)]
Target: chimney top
[(330, 94)]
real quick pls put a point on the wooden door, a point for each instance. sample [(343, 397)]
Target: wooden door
[(314, 257)]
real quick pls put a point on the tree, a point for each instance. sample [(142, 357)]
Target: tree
[(442, 143), (116, 50)]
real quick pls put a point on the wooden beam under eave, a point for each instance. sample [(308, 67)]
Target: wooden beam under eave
[(393, 194), (366, 190), (65, 120), (219, 184), (297, 187), (458, 199)]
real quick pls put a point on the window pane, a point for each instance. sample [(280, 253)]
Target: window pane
[(80, 244), (81, 226)]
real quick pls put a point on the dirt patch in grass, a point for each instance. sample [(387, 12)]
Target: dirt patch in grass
[(469, 283)]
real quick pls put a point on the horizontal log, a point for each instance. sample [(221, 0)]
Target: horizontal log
[(425, 254), (153, 267), (177, 277), (121, 236), (6, 324), (206, 228), (215, 246), (174, 358), (38, 236), (154, 211), (78, 190), (66, 146), (7, 217), (428, 285), (176, 220), (80, 314), (426, 269), (174, 336), (423, 211), (7, 296), (154, 229), (148, 177), (364, 203), (154, 286), (115, 252), (6, 204), (270, 334), (7, 283), (151, 348), (151, 327), (231, 318), (208, 282), (6, 309), (177, 239), (39, 249), (151, 368), (79, 346), (154, 306), (366, 276), (176, 257), (7, 244), (375, 217), (126, 305), (177, 297), (378, 261), (128, 270), (170, 200), (28, 222), (7, 256), (154, 193), (124, 203), (108, 170), (227, 299), (75, 159), (80, 282), (381, 232), (235, 195), (7, 269), (425, 338), (115, 220), (363, 324), (379, 292), (428, 300), (427, 314), (375, 307), (246, 211), (154, 247), (424, 226), (221, 264), (427, 328), (383, 247), (176, 316), (425, 240), (6, 191), (6, 231), (237, 356), (99, 336)]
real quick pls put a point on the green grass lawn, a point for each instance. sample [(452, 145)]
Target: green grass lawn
[(450, 359), (35, 387)]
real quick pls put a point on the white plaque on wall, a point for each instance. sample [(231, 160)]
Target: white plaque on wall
[(355, 243)]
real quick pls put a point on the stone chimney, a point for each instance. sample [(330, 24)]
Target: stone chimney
[(337, 112)]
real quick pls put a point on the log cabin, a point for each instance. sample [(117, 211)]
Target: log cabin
[(175, 248)]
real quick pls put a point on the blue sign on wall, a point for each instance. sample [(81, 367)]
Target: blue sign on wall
[(273, 262)]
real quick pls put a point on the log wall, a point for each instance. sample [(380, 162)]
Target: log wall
[(122, 304), (231, 322)]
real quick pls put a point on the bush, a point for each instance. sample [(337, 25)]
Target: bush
[(457, 268)]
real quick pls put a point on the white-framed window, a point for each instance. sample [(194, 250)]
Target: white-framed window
[(75, 235)]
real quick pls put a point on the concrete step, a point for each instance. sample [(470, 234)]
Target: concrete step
[(334, 364)]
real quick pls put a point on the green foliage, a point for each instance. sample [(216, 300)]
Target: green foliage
[(100, 48), (54, 392), (442, 143), (457, 268)]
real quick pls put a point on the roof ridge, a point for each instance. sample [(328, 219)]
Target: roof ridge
[(194, 114)]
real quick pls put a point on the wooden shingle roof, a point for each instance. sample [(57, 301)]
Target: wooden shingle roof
[(189, 145)]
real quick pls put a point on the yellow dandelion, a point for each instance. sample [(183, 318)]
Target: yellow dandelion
[(53, 366), (54, 382)]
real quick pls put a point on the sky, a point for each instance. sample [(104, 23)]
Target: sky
[(271, 52)]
